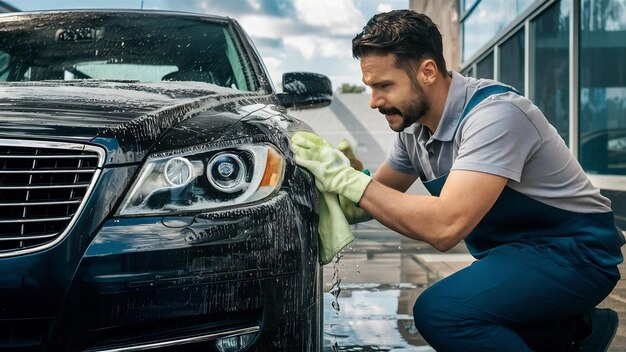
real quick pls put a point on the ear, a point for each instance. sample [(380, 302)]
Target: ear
[(428, 72)]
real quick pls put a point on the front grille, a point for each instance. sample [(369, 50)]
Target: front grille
[(42, 187)]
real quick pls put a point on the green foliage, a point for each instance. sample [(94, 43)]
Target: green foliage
[(351, 88)]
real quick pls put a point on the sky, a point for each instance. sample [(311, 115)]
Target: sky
[(290, 35)]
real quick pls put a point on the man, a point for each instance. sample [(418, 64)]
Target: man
[(501, 179)]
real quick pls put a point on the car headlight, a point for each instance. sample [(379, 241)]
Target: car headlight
[(226, 172), (203, 179)]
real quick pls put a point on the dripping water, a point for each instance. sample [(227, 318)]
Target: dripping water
[(335, 290)]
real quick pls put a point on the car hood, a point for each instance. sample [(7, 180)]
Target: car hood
[(125, 117)]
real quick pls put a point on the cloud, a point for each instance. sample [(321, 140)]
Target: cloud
[(319, 29), (275, 67), (384, 8), (311, 46), (255, 4), (259, 26), (275, 43), (338, 16), (236, 8)]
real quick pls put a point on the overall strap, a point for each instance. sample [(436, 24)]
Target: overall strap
[(435, 186), (480, 95)]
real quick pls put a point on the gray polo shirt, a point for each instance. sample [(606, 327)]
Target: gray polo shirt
[(505, 135)]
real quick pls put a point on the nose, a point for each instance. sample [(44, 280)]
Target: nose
[(376, 101)]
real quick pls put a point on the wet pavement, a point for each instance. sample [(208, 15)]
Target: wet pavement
[(382, 273)]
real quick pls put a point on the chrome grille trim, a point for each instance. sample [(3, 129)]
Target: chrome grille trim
[(179, 341), (77, 185), (25, 204), (25, 238), (56, 171), (28, 221), (48, 156), (48, 152)]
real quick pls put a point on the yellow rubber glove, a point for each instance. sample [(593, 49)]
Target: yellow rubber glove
[(352, 213), (345, 147), (329, 166)]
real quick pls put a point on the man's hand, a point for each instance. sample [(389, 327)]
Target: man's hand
[(329, 166), (345, 147), (352, 213)]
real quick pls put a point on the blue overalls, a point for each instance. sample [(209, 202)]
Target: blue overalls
[(538, 269)]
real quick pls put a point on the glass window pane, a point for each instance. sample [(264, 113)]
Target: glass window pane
[(487, 19), (549, 65), (467, 4), (4, 65), (484, 68), (138, 47), (468, 72), (106, 70), (512, 61), (603, 86)]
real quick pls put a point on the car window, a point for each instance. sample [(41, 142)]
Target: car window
[(121, 71), (4, 65), (235, 63), (136, 47)]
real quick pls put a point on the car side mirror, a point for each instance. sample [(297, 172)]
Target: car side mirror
[(305, 90)]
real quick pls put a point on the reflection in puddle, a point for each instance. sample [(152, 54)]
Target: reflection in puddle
[(380, 282), (371, 321)]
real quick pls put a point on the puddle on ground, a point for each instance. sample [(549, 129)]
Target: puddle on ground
[(369, 295), (371, 321)]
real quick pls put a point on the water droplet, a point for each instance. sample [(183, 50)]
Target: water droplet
[(335, 282)]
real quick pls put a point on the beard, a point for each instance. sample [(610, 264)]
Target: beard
[(411, 113)]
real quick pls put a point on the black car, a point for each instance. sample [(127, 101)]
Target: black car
[(148, 195)]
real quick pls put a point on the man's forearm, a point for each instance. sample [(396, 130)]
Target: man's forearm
[(441, 221), (415, 216)]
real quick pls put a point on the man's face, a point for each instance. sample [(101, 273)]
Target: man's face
[(393, 92)]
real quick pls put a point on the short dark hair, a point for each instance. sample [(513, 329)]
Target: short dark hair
[(410, 36)]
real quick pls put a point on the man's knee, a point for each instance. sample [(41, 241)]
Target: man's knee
[(435, 313)]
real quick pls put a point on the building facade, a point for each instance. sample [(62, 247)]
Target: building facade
[(569, 57), (445, 13)]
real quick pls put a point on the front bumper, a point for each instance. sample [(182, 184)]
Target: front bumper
[(138, 281)]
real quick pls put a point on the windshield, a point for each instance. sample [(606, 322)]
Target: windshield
[(122, 46)]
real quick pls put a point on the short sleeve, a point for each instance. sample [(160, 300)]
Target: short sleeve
[(496, 138), (398, 157)]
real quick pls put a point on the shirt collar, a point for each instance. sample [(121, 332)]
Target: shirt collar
[(453, 109)]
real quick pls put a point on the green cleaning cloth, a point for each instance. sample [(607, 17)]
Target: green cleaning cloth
[(334, 230)]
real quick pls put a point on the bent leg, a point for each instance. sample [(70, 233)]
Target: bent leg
[(509, 301)]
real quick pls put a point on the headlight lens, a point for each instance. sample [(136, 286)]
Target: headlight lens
[(226, 172), (178, 172), (204, 179)]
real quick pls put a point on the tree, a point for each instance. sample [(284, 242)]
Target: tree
[(350, 88)]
